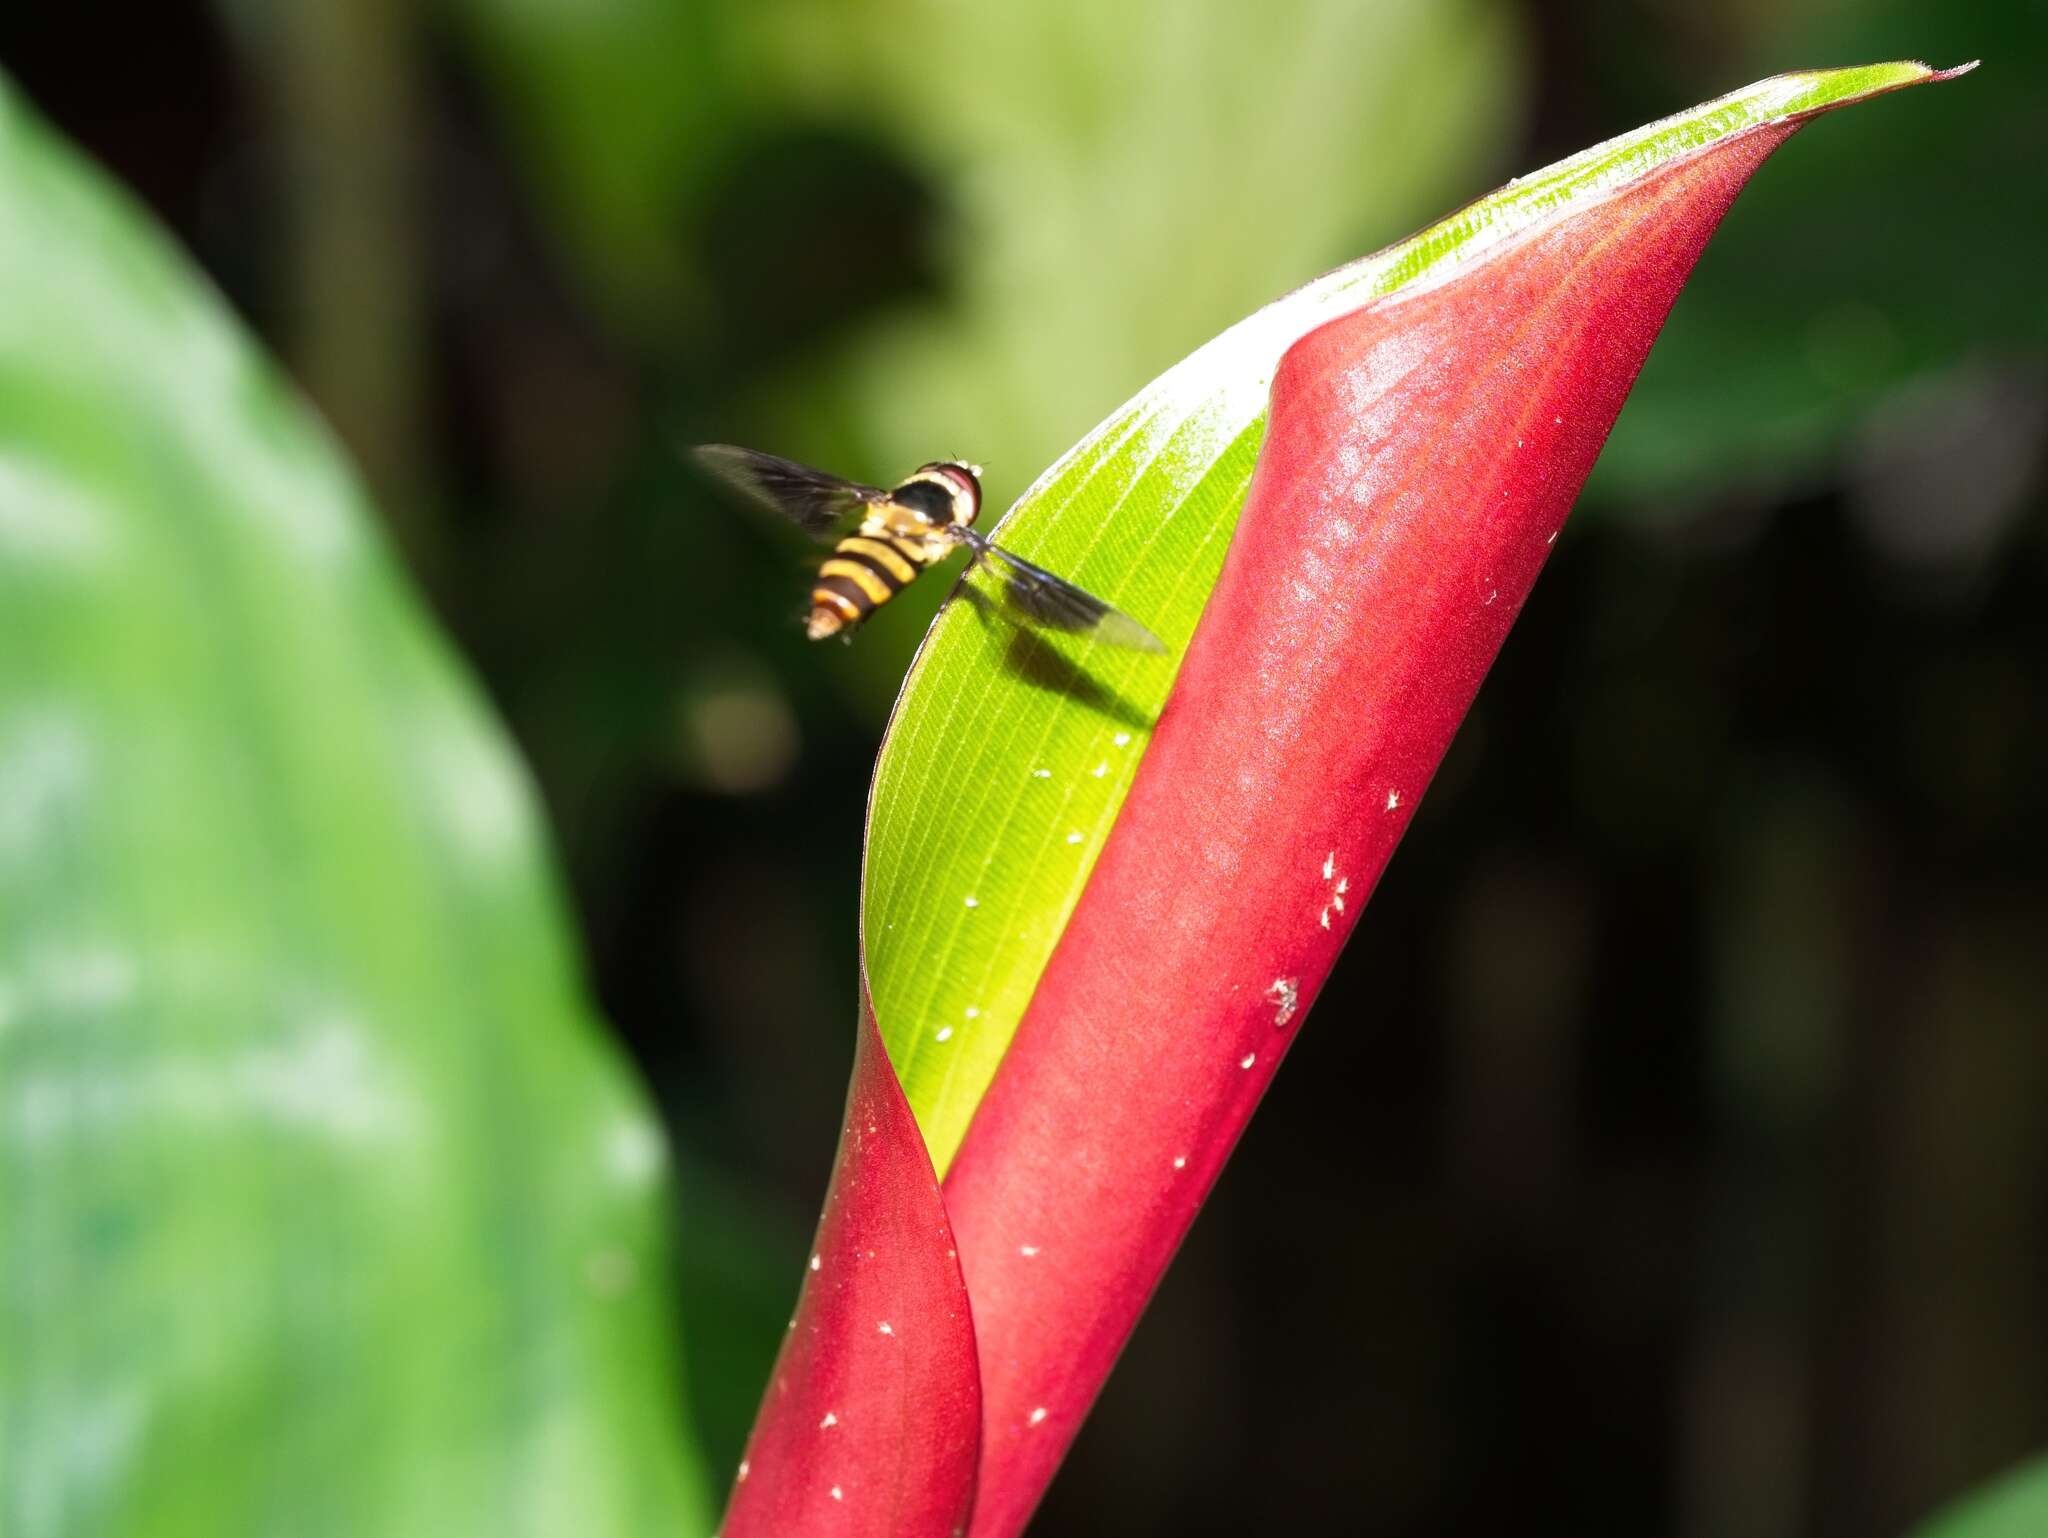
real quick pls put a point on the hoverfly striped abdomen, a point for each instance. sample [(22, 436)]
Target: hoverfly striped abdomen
[(864, 571)]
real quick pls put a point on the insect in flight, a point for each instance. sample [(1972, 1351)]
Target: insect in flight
[(914, 524)]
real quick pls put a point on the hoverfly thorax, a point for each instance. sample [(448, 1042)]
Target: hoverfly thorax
[(946, 492)]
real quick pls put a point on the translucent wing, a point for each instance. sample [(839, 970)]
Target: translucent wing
[(1059, 605), (811, 499)]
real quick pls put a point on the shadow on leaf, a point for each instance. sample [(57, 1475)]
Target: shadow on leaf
[(1037, 661)]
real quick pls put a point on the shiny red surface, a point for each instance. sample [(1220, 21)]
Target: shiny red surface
[(872, 1416), (1420, 457)]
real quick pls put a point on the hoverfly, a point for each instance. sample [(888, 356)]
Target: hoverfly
[(912, 525)]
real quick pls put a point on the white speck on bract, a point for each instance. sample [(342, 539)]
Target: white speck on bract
[(1553, 538), (1393, 799), (838, 1494), (973, 902), (1248, 1059), (814, 1262), (944, 1033), (1330, 865), (1558, 420), (1181, 1162), (1027, 1250), (884, 1329), (1285, 993), (1326, 918), (830, 1420), (1037, 1415), (746, 1468), (1343, 886), (1337, 903)]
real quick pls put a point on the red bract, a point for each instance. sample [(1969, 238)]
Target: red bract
[(873, 1413), (1420, 455), (1420, 458)]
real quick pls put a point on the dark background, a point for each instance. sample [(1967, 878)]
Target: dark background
[(1666, 1156)]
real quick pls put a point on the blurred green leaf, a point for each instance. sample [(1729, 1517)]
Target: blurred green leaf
[(1116, 184), (327, 1208), (1124, 184), (1783, 350), (615, 108), (2015, 1506), (1010, 755)]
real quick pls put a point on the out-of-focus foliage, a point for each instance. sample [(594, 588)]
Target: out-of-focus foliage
[(1109, 185), (619, 110), (325, 1209), (2014, 1507), (1847, 366)]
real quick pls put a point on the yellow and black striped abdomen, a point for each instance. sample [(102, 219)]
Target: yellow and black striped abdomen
[(864, 571)]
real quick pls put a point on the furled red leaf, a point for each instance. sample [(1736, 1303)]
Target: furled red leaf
[(1088, 977), (1420, 457), (873, 1414)]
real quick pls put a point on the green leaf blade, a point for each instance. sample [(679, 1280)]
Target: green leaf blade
[(308, 1142)]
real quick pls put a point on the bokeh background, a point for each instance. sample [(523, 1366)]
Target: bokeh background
[(1667, 1155)]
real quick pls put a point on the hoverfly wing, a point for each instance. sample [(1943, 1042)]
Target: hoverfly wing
[(811, 499), (1059, 605)]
